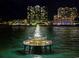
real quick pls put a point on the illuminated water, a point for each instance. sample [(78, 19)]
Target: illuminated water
[(37, 31), (65, 40)]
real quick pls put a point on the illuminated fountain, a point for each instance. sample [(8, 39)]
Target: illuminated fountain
[(37, 42), (37, 39), (37, 32)]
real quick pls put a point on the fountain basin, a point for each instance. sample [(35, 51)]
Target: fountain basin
[(37, 42), (38, 45)]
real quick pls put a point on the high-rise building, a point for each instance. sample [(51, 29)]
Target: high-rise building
[(37, 14), (67, 12), (65, 16)]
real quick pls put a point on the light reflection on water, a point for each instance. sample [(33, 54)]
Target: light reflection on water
[(67, 37), (31, 31), (63, 37)]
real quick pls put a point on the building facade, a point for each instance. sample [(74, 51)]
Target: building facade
[(65, 16), (37, 14)]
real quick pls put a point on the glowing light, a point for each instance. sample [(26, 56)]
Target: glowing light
[(37, 32)]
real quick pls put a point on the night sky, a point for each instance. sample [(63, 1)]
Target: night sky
[(17, 8)]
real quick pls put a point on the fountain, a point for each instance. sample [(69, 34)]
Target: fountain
[(37, 32), (37, 42)]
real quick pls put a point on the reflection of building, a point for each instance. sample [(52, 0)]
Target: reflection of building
[(36, 14), (65, 16)]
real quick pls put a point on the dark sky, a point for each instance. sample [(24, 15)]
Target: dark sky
[(17, 8)]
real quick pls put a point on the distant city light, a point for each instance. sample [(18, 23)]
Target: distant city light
[(39, 15), (65, 16)]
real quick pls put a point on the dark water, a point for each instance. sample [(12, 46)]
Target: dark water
[(64, 38)]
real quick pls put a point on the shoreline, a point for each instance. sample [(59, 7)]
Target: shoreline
[(6, 25)]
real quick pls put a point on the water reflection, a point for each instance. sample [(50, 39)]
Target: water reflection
[(67, 37), (64, 38)]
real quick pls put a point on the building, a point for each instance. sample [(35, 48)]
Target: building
[(65, 16), (37, 14)]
